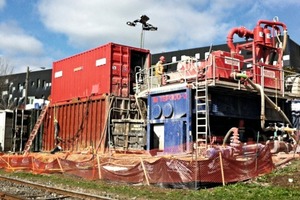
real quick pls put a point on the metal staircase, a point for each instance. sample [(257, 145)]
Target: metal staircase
[(202, 115), (35, 130)]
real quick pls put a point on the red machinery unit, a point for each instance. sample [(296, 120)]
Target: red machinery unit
[(106, 69), (221, 64), (266, 46), (268, 76)]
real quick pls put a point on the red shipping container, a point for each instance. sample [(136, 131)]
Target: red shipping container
[(108, 69), (81, 125)]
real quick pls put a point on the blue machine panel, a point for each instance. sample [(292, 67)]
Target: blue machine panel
[(171, 110), (175, 140)]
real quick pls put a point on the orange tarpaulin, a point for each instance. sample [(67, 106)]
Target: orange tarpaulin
[(160, 170)]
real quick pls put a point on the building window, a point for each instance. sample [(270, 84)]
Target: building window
[(4, 93), (206, 55), (38, 83), (44, 84), (174, 59), (20, 87)]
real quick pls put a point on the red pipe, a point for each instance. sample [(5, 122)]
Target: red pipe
[(241, 32), (272, 23), (276, 23)]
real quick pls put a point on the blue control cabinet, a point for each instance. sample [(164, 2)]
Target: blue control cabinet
[(169, 121)]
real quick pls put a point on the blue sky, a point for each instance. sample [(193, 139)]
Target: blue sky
[(37, 32)]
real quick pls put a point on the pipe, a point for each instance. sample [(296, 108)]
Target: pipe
[(262, 106), (238, 76), (284, 40), (276, 23), (233, 129), (241, 32), (279, 146), (263, 98), (255, 86), (272, 23), (285, 36)]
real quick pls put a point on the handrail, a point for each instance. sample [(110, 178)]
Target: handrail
[(276, 80)]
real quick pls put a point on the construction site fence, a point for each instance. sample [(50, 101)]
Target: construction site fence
[(181, 171)]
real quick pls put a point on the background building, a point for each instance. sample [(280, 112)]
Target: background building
[(12, 88), (291, 57), (39, 82)]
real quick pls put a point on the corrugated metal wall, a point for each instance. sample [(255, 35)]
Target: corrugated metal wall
[(81, 125)]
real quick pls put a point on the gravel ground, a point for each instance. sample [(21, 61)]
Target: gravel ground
[(27, 191)]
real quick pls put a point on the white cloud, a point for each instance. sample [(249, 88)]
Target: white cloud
[(181, 24), (20, 63), (87, 24), (14, 41), (90, 23), (20, 48), (2, 4)]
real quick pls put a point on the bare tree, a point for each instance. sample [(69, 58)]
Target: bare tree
[(5, 67), (5, 84)]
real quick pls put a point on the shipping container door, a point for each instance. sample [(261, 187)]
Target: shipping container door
[(138, 61), (8, 132), (120, 70)]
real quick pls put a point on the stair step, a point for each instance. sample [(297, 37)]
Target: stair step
[(201, 125)]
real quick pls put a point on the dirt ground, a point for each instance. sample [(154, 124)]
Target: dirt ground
[(287, 172), (291, 180)]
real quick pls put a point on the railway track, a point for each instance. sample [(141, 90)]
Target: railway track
[(12, 189)]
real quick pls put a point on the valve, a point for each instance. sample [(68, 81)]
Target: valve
[(235, 139)]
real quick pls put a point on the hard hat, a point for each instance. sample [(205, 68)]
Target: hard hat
[(162, 58)]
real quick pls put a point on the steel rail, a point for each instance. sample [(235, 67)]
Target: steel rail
[(66, 193), (7, 196)]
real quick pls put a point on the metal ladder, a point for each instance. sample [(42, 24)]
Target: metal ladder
[(202, 115), (35, 130)]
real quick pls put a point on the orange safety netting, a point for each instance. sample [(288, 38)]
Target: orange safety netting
[(180, 170)]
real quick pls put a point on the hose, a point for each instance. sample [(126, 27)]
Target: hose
[(262, 106), (264, 98), (233, 129), (268, 100)]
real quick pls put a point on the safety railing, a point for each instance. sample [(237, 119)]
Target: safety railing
[(269, 77)]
